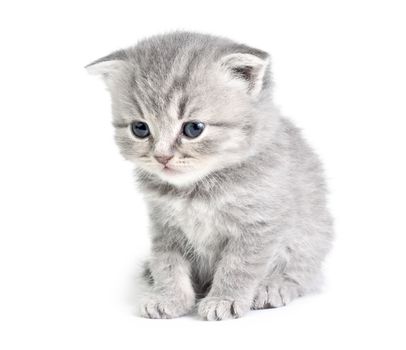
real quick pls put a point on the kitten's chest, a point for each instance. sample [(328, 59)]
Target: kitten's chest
[(199, 221)]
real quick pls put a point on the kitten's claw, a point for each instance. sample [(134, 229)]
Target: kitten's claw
[(161, 307), (216, 309)]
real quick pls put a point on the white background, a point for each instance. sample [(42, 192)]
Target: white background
[(73, 226)]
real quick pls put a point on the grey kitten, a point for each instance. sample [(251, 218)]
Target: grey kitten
[(236, 197)]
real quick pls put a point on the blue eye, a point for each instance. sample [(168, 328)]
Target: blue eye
[(140, 129), (193, 129)]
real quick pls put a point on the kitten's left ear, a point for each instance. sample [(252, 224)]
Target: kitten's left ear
[(248, 68), (108, 65)]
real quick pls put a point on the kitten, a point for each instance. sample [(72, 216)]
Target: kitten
[(236, 197)]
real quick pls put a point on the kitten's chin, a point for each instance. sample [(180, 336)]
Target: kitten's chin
[(180, 179)]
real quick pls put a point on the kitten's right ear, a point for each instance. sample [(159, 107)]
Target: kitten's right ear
[(108, 65), (249, 66)]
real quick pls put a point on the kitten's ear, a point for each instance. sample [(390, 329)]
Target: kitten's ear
[(248, 68), (107, 66)]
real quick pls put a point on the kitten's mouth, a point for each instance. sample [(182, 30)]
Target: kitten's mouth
[(168, 170)]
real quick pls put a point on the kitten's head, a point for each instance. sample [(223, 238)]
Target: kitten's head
[(186, 105)]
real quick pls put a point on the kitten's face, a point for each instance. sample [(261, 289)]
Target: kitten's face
[(197, 132), (182, 126)]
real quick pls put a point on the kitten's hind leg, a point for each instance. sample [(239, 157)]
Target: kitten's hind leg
[(293, 274), (276, 292)]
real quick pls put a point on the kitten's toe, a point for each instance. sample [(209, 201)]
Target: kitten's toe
[(288, 293), (275, 295), (261, 300), (216, 309), (163, 307), (150, 309)]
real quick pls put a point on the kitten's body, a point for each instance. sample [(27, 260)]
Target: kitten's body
[(246, 224)]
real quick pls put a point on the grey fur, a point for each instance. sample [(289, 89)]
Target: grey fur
[(243, 222)]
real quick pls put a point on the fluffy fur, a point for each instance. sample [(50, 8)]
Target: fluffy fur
[(239, 218)]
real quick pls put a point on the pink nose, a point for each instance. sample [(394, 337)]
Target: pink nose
[(163, 159)]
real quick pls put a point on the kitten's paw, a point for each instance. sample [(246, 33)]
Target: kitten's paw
[(157, 306), (215, 308), (275, 295)]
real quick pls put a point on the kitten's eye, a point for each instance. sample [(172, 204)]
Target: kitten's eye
[(193, 129), (140, 129)]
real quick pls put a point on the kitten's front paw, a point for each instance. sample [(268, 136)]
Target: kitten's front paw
[(159, 306), (217, 308)]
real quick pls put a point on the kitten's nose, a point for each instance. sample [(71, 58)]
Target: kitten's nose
[(163, 159)]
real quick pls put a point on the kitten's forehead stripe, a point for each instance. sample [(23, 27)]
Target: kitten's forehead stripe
[(179, 84), (138, 96), (137, 106), (180, 81), (182, 106)]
